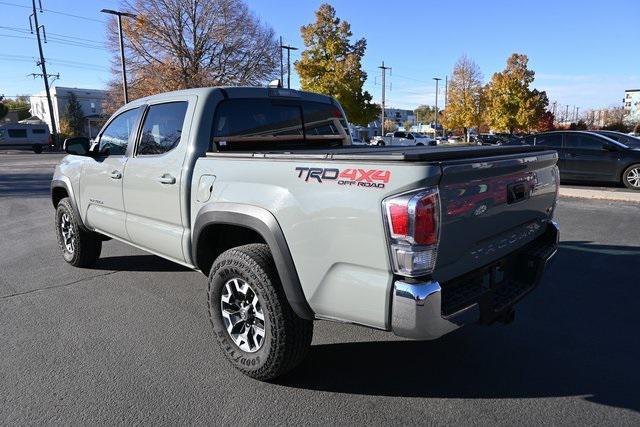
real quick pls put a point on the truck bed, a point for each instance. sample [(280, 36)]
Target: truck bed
[(389, 153)]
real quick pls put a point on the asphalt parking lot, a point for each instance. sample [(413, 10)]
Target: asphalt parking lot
[(129, 340)]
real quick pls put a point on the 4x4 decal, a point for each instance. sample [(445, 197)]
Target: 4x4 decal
[(372, 178)]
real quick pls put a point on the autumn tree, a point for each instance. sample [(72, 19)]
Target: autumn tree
[(181, 44), (511, 104), (425, 113), (331, 64), (546, 122), (464, 97), (390, 125), (407, 125)]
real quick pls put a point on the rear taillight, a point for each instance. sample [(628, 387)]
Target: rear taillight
[(413, 225)]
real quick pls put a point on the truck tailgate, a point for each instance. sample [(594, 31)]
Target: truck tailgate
[(492, 206)]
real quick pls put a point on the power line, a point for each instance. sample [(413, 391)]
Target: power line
[(56, 11), (73, 38)]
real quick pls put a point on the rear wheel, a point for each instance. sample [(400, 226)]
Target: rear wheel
[(37, 149), (631, 177), (255, 326), (79, 248), (380, 144)]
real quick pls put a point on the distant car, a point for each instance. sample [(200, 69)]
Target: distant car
[(590, 156), (357, 141), (24, 136), (403, 138)]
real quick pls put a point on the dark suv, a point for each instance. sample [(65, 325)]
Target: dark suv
[(588, 156)]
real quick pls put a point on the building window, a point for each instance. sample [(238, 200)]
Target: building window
[(93, 107)]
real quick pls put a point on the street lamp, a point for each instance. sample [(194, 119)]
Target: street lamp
[(437, 79), (124, 70)]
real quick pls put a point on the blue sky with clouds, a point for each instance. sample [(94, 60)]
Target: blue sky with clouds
[(585, 53)]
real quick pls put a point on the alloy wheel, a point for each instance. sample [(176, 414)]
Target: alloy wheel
[(68, 233), (633, 177), (242, 315)]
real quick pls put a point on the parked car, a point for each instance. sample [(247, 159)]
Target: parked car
[(257, 189), (406, 139), (357, 141), (24, 136), (590, 156)]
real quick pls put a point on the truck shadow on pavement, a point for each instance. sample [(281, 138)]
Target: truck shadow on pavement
[(576, 335), (148, 263), (25, 184)]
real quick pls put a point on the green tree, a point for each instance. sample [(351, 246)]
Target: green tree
[(21, 105), (331, 64), (3, 110), (74, 117), (407, 125), (511, 104), (464, 97)]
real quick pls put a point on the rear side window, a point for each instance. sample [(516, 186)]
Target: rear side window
[(263, 124), (552, 140), (162, 128), (40, 131), (17, 133)]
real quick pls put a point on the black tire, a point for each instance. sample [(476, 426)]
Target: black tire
[(380, 144), (419, 144), (628, 177), (287, 337), (37, 149), (86, 245)]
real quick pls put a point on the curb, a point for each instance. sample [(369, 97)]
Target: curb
[(588, 193)]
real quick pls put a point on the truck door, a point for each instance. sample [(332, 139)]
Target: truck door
[(101, 183), (153, 181)]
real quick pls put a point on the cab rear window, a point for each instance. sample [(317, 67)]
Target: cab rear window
[(267, 124)]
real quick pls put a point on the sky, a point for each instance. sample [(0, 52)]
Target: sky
[(584, 53)]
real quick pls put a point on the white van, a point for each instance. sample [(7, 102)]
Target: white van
[(22, 135)]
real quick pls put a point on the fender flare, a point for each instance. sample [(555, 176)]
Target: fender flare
[(265, 224), (65, 183)]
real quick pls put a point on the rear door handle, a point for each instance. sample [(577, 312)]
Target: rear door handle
[(167, 179), (115, 175)]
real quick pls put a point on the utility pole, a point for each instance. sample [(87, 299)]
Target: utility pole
[(289, 49), (384, 71), (446, 98), (554, 110), (43, 66), (577, 115), (124, 69), (437, 79), (566, 114), (281, 66)]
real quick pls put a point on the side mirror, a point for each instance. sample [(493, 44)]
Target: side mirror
[(78, 146)]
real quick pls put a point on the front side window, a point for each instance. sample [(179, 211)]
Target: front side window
[(115, 137), (17, 133), (162, 128)]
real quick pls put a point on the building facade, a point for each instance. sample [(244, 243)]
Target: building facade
[(400, 116), (90, 101), (632, 105)]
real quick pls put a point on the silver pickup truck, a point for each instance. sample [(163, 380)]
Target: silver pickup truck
[(261, 191)]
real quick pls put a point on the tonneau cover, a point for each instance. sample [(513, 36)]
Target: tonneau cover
[(408, 154)]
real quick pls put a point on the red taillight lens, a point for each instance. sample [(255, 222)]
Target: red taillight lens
[(426, 222), (413, 223), (399, 219)]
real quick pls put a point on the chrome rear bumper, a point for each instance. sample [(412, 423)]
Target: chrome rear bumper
[(417, 306)]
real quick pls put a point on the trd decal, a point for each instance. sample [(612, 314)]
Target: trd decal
[(373, 178)]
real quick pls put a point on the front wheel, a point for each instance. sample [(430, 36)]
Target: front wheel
[(79, 248), (380, 144), (631, 177), (256, 328)]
